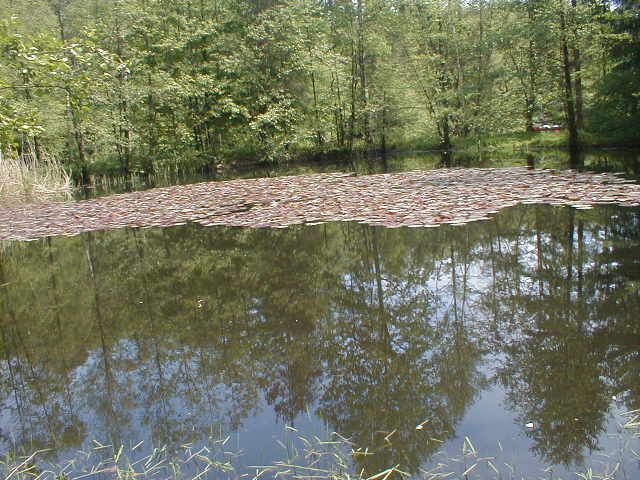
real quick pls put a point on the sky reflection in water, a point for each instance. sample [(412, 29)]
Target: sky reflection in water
[(172, 335)]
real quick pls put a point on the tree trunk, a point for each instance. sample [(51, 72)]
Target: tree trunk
[(354, 85), (362, 73), (78, 136), (383, 140), (445, 140), (568, 88), (319, 139), (577, 65)]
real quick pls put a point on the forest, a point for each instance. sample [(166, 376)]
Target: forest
[(122, 87)]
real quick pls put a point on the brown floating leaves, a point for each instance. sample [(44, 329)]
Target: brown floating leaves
[(408, 199)]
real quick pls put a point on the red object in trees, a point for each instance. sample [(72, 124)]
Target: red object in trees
[(547, 128)]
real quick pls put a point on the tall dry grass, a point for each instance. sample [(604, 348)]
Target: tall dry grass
[(26, 179)]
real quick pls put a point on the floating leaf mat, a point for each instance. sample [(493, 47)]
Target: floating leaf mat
[(408, 199)]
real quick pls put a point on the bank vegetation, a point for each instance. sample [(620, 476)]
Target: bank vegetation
[(119, 87)]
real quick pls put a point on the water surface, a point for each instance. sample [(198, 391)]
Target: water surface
[(188, 334)]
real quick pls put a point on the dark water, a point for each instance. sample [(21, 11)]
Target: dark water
[(625, 161), (187, 334)]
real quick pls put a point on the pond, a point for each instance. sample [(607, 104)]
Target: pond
[(627, 161), (511, 343)]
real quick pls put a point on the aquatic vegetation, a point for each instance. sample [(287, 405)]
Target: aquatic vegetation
[(408, 199), (108, 461), (311, 457)]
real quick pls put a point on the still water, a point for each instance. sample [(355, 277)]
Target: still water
[(518, 337)]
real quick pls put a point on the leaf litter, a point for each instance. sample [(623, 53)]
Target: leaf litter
[(421, 198)]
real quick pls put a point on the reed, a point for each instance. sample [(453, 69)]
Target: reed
[(25, 178)]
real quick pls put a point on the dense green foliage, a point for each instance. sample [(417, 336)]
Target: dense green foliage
[(128, 86)]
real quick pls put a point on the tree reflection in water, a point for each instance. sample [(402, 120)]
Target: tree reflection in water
[(170, 334)]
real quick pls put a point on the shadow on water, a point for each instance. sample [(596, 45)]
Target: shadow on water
[(624, 161), (179, 332)]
